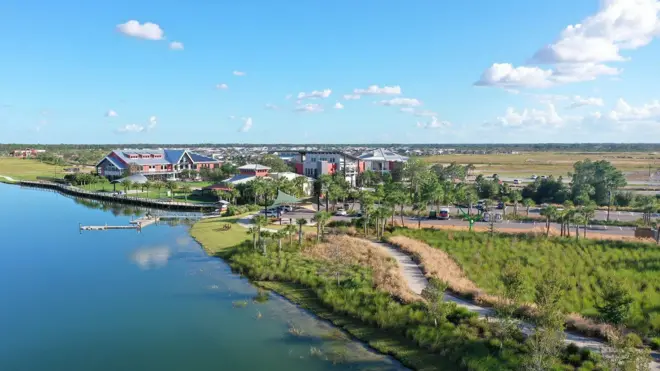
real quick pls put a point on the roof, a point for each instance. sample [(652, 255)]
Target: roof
[(283, 198), (239, 178), (347, 155), (217, 186), (253, 167), (168, 156), (135, 178), (289, 175), (196, 157), (383, 155)]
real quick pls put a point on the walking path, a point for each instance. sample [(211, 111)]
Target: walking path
[(246, 222), (416, 281), (10, 179)]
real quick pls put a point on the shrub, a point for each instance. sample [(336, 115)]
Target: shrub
[(655, 343)]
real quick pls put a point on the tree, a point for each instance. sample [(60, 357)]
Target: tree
[(528, 203), (260, 221), (515, 197), (300, 183), (172, 187), (127, 184), (615, 302), (420, 208), (546, 343), (627, 353), (434, 294), (513, 280), (290, 230), (601, 176), (301, 222), (276, 164), (185, 189), (253, 231), (321, 218), (158, 185), (147, 185), (588, 212)]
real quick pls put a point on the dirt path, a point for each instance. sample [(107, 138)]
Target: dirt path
[(417, 281)]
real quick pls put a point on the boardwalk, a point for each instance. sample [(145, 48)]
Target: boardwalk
[(136, 224)]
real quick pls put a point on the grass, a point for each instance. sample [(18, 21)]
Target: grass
[(523, 165), (214, 240), (26, 169), (585, 264)]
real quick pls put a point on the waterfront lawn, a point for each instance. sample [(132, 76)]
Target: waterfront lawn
[(26, 169), (585, 264), (209, 233)]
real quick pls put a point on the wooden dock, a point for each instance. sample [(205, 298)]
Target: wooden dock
[(136, 224)]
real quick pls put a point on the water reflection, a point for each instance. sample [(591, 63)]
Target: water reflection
[(151, 257)]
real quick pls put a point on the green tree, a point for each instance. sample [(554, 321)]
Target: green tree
[(301, 222), (615, 302), (276, 164), (627, 353), (148, 185), (321, 218), (513, 280), (126, 184), (290, 230), (158, 185), (185, 189), (528, 203), (261, 221), (172, 187), (598, 177), (434, 294), (516, 197)]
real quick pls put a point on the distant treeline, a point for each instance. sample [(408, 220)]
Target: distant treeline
[(491, 147)]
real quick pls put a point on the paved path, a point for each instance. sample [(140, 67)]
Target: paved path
[(246, 222), (416, 281), (10, 179)]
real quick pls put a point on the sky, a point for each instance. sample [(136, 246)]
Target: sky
[(368, 71)]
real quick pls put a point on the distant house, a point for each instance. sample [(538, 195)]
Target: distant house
[(382, 160), (316, 163), (26, 153), (247, 173), (164, 164)]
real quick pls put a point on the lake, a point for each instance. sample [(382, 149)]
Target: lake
[(122, 300)]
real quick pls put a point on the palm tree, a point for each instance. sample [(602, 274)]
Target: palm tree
[(515, 197), (528, 202), (148, 185), (158, 185), (420, 207), (253, 231), (505, 200), (299, 184), (588, 212), (290, 230), (171, 186), (260, 221), (470, 199), (127, 184), (321, 218), (300, 222), (550, 213), (185, 189)]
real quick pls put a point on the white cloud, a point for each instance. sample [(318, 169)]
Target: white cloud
[(530, 117), (247, 124), (339, 106), (271, 106), (176, 45), (351, 96), (222, 86), (413, 111), (624, 112), (582, 49), (147, 30), (111, 113), (315, 94), (312, 107), (505, 75), (131, 128), (619, 24), (232, 117), (433, 124), (578, 101), (288, 96), (153, 121), (409, 102), (238, 73), (376, 90)]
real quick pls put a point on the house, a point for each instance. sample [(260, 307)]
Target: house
[(247, 173), (164, 164), (26, 153), (382, 160), (316, 163)]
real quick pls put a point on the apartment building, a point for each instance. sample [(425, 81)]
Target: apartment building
[(163, 164)]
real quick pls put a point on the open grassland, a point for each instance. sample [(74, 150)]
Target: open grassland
[(25, 169), (523, 165), (213, 238), (585, 264)]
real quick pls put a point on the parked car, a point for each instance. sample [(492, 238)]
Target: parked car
[(444, 214), (516, 181), (500, 205), (270, 212), (534, 177), (341, 212)]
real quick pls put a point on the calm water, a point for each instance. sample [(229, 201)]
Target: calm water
[(119, 300)]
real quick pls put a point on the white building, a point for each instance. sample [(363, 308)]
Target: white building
[(382, 160)]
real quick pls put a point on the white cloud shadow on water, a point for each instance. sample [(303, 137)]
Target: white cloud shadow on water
[(151, 257)]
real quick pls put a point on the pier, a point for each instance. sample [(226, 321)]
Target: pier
[(136, 224)]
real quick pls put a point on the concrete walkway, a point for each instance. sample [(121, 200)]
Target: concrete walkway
[(416, 281), (9, 179), (246, 222)]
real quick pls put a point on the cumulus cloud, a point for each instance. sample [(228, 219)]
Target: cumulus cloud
[(418, 113), (530, 117), (288, 96), (111, 113), (153, 121), (238, 73), (376, 90), (351, 96), (247, 125), (624, 112), (433, 124), (339, 106), (581, 50), (222, 86), (311, 107), (271, 106), (578, 101), (131, 128), (314, 94), (176, 45), (408, 102), (147, 30)]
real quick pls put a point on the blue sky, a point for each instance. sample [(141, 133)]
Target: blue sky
[(454, 72)]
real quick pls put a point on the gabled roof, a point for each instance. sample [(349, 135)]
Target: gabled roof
[(284, 199), (382, 155), (199, 158), (173, 156), (135, 178), (253, 167), (239, 178)]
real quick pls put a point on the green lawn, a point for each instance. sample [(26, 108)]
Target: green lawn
[(585, 264), (209, 234), (25, 169)]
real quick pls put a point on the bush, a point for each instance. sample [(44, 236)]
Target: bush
[(655, 343)]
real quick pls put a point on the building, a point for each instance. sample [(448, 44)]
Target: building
[(307, 187), (247, 173), (26, 153), (316, 163), (163, 164), (382, 160)]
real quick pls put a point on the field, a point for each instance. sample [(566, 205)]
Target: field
[(28, 169), (584, 264), (214, 240), (634, 164)]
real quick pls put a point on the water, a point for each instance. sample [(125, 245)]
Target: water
[(119, 300)]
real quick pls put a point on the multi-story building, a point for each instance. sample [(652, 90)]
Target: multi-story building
[(157, 164), (382, 160), (316, 163), (247, 173), (26, 153)]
